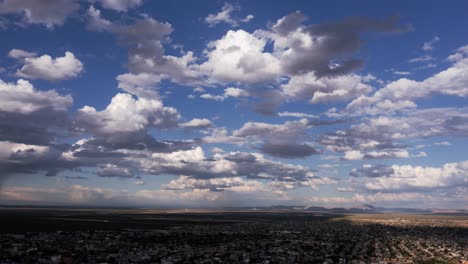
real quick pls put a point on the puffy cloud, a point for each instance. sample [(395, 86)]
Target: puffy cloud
[(126, 118), (212, 173), (239, 57), (195, 164), (289, 23), (364, 105), (326, 89), (314, 47), (141, 84), (228, 92), (452, 80), (120, 131), (48, 68), (233, 184), (398, 95), (23, 98), (49, 13), (408, 177), (387, 154), (218, 135), (197, 123), (213, 97), (242, 185), (353, 155), (20, 54), (95, 21), (417, 123), (126, 158), (145, 39), (94, 150), (225, 16), (24, 158), (384, 136), (307, 56), (31, 116), (119, 5), (381, 154), (286, 140), (461, 53), (235, 92), (286, 132), (121, 139)]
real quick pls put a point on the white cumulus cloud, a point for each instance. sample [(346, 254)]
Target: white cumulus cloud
[(48, 68)]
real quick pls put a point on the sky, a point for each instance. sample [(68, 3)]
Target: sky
[(234, 103)]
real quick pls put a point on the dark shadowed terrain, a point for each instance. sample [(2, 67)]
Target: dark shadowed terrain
[(208, 236)]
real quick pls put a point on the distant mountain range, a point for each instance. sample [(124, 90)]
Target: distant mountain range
[(366, 208)]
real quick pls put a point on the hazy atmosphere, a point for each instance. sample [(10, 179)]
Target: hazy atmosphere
[(234, 103)]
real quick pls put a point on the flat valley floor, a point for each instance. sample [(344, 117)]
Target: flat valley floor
[(34, 235)]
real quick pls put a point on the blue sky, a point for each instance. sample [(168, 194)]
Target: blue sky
[(222, 103)]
